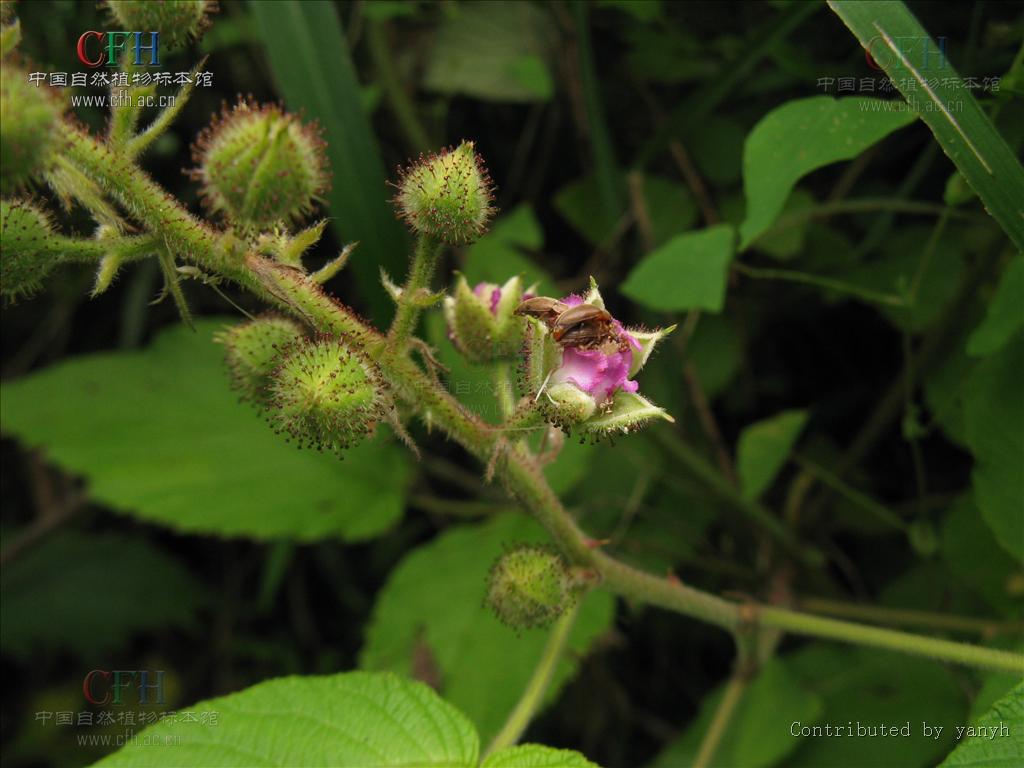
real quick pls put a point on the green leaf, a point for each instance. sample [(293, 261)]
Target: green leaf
[(1005, 313), (91, 607), (179, 450), (670, 207), (498, 255), (495, 51), (580, 203), (973, 555), (641, 10), (688, 272), (994, 413), (310, 60), (714, 351), (355, 719), (764, 448), (872, 688), (802, 136), (903, 48), (786, 243), (903, 264), (759, 731), (432, 604), (996, 740), (536, 756)]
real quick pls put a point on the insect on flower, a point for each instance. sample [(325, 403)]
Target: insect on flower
[(582, 326)]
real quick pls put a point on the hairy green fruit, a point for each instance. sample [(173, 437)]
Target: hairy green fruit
[(29, 249), (447, 195), (325, 396), (177, 21), (260, 166), (530, 586), (28, 118), (253, 351)]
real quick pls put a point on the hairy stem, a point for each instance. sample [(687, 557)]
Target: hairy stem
[(187, 238), (877, 637), (881, 614), (533, 695), (424, 261)]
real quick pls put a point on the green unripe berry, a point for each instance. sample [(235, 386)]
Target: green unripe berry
[(326, 396), (29, 249), (260, 166), (28, 119), (253, 351), (177, 21), (447, 195), (530, 586)]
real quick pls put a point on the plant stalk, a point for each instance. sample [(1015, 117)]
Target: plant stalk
[(289, 288)]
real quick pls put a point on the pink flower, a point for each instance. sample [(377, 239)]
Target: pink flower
[(598, 373)]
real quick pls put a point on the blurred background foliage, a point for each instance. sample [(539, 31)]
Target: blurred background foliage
[(836, 383)]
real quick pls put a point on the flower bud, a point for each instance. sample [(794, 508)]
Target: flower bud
[(28, 139), (177, 21), (28, 248), (447, 195), (480, 320), (260, 166), (326, 396), (253, 351), (530, 586)]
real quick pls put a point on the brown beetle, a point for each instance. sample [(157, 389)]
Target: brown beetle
[(583, 326), (543, 308)]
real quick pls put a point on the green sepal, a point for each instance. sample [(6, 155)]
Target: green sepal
[(627, 413)]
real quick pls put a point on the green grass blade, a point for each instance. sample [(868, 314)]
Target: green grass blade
[(902, 47), (311, 63)]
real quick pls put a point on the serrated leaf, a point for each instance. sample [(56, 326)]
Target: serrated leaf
[(1005, 313), (993, 415), (996, 740), (91, 607), (356, 720), (434, 599), (687, 272), (802, 136), (759, 730), (764, 448), (536, 756), (179, 450)]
